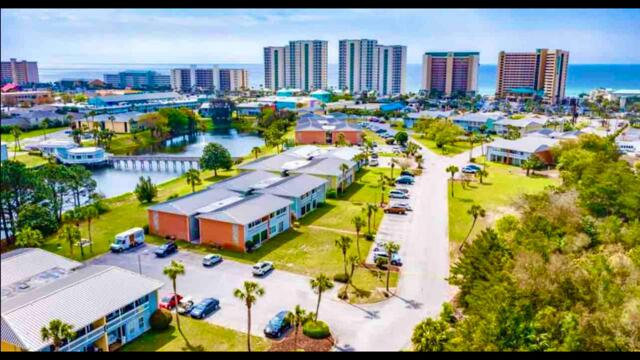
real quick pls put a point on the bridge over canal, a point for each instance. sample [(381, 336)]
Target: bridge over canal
[(174, 163)]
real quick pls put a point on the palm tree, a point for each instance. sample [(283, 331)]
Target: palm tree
[(112, 119), (297, 318), (475, 211), (193, 178), (249, 295), (390, 248), (472, 140), (359, 223), (172, 271), (482, 173), (452, 169), (256, 151), (382, 183), (16, 132), (71, 235), (44, 125), (89, 213), (344, 243), (419, 160), (531, 164), (343, 169), (320, 283), (354, 261), (57, 332), (370, 209)]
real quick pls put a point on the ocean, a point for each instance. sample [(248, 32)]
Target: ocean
[(581, 78)]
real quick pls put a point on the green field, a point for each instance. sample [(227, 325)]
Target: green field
[(202, 336), (29, 134), (448, 150), (503, 186), (29, 160), (126, 212)]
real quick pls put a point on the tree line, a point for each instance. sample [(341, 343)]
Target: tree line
[(563, 276)]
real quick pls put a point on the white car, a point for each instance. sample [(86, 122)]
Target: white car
[(262, 268), (396, 194)]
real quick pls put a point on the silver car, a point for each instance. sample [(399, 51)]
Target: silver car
[(262, 268)]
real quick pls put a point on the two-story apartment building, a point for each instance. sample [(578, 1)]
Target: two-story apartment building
[(524, 126), (106, 306), (249, 208)]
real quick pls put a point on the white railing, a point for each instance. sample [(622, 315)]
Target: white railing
[(85, 339)]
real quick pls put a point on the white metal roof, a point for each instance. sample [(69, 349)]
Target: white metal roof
[(79, 299), (24, 263)]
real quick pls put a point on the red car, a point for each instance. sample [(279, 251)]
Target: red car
[(169, 301)]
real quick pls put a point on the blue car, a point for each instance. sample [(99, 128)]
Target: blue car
[(277, 325), (204, 308), (471, 169), (407, 180)]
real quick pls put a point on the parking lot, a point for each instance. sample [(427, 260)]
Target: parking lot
[(283, 290)]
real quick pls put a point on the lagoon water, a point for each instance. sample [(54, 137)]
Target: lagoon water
[(113, 182), (581, 78)]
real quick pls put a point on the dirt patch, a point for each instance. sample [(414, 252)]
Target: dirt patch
[(304, 343), (497, 213)]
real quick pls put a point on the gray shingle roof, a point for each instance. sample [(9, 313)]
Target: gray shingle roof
[(251, 208), (79, 299)]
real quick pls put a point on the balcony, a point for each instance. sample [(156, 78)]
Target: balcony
[(88, 338)]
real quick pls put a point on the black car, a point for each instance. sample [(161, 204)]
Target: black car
[(204, 308), (167, 248), (277, 325), (406, 173)]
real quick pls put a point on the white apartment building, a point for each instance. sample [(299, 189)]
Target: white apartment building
[(392, 69), (234, 79), (302, 64), (358, 65), (274, 67), (364, 66), (194, 78)]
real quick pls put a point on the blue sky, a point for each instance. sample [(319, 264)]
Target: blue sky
[(64, 36)]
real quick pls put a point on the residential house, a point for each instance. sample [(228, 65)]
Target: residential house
[(106, 306), (473, 122), (515, 152), (411, 118), (524, 126), (119, 123)]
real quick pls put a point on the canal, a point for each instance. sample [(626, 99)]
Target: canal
[(113, 182)]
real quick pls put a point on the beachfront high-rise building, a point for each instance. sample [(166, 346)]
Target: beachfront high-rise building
[(274, 69), (302, 65), (194, 78), (392, 69), (234, 79), (450, 72), (358, 65), (540, 74), (19, 72), (307, 64), (138, 79)]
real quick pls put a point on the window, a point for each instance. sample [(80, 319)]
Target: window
[(141, 323), (142, 300)]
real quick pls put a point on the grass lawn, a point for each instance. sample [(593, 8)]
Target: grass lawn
[(370, 135), (449, 150), (202, 336), (126, 212), (503, 186), (29, 134), (29, 160), (123, 144)]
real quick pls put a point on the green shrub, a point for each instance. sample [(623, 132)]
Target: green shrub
[(145, 227), (369, 237), (172, 196), (160, 320), (341, 277), (332, 194), (316, 329), (381, 262)]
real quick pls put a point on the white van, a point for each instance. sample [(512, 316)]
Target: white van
[(128, 240)]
